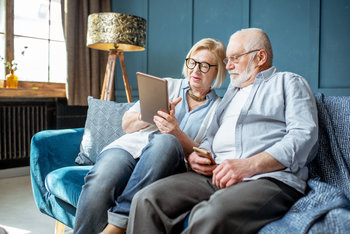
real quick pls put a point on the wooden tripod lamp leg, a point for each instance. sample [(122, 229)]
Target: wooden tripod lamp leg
[(107, 88), (125, 76), (60, 227)]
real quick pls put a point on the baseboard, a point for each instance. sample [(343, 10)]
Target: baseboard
[(14, 172)]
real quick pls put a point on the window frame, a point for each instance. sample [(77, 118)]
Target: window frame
[(9, 44), (9, 30)]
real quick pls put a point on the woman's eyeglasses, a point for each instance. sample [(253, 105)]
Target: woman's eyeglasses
[(203, 66)]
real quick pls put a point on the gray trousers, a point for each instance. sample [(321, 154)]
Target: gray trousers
[(242, 208)]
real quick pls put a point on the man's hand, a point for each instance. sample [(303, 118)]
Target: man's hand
[(200, 164), (231, 171)]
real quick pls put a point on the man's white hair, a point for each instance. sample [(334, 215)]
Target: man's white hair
[(255, 38)]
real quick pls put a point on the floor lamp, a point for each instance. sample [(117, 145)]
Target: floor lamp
[(116, 33)]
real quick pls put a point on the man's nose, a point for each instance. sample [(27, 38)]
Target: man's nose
[(230, 66)]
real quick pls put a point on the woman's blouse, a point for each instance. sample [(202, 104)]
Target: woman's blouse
[(190, 122)]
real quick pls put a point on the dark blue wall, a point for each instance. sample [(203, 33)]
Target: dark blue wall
[(309, 37)]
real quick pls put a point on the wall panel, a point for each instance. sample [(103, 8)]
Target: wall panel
[(288, 29), (169, 36), (224, 18), (334, 45), (309, 37)]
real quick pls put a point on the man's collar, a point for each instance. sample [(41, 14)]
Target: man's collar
[(266, 74)]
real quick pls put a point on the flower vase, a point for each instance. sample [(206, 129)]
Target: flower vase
[(11, 80)]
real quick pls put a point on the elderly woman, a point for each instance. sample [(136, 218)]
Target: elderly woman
[(144, 154)]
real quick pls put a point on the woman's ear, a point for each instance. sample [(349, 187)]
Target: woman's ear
[(262, 57)]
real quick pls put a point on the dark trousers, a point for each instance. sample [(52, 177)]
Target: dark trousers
[(242, 208)]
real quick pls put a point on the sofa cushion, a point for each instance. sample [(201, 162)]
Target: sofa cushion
[(103, 125), (325, 208), (332, 163), (66, 183)]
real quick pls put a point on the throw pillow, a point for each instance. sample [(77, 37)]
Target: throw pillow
[(103, 125)]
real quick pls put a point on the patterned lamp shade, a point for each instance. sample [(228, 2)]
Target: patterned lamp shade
[(110, 30)]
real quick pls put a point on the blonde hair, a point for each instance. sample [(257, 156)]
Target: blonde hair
[(219, 51)]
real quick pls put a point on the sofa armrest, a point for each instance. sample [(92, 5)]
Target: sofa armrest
[(50, 150)]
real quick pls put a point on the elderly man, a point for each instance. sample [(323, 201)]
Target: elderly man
[(262, 137)]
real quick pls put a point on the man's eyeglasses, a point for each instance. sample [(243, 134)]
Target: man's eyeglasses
[(235, 58), (203, 66)]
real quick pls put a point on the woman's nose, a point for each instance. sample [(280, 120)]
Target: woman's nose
[(196, 68)]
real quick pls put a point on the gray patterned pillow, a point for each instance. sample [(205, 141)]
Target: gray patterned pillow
[(103, 125)]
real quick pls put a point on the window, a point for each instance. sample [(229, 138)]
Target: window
[(2, 37), (37, 25)]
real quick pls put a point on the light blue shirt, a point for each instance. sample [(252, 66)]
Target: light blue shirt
[(280, 118), (191, 121)]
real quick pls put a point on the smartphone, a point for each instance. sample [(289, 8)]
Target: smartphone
[(206, 154)]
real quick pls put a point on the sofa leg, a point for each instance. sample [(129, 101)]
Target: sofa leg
[(60, 227)]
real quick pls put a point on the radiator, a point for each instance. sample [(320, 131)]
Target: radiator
[(18, 123)]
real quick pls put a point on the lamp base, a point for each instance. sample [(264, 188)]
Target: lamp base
[(108, 82)]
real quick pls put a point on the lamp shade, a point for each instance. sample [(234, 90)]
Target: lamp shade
[(111, 30)]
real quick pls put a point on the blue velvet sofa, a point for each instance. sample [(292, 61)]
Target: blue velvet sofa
[(57, 179)]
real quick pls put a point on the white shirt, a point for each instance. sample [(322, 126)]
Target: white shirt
[(224, 140), (280, 118)]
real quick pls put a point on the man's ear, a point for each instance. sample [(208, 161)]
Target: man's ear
[(262, 57)]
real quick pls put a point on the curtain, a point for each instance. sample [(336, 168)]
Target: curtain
[(85, 66)]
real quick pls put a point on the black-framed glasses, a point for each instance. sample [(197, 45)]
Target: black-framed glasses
[(235, 58), (203, 66)]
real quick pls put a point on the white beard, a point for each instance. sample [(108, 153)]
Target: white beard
[(237, 81)]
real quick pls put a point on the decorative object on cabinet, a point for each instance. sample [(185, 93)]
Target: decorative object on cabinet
[(11, 78)]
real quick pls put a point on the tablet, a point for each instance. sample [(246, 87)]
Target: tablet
[(153, 95)]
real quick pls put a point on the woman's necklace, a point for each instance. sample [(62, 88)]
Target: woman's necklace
[(194, 97)]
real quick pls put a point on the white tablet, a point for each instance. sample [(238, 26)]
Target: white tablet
[(153, 95)]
